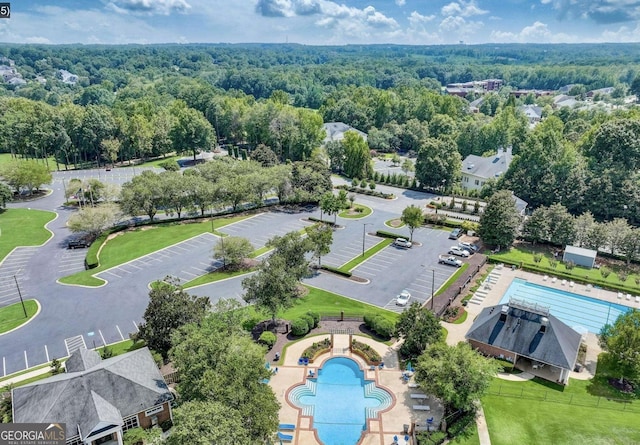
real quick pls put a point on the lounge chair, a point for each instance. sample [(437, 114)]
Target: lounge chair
[(571, 284), (430, 419), (563, 282), (287, 426), (637, 299), (545, 278), (301, 361), (422, 407), (619, 295), (554, 279), (412, 385), (416, 395), (285, 437), (628, 296)]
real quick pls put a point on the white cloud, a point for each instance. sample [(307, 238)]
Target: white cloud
[(538, 32), (401, 2), (464, 9), (148, 7), (416, 19), (37, 40)]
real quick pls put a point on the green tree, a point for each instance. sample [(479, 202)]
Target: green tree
[(617, 231), (136, 436), (500, 220), (438, 162), (336, 154), (622, 341), (169, 308), (419, 328), (320, 237), (412, 216), (191, 132), (220, 363), (634, 88), (457, 375), (272, 288), (329, 204), (536, 226), (232, 250), (265, 156), (143, 194), (94, 220), (357, 160), (407, 166), (6, 195), (205, 423), (26, 175), (291, 248)]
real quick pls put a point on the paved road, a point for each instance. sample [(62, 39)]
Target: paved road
[(74, 316)]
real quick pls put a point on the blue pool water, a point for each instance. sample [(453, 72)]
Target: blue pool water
[(340, 400), (573, 309)]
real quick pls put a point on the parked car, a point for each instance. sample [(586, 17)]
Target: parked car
[(401, 242), (455, 250), (472, 248), (455, 233), (79, 243), (403, 298), (449, 260)]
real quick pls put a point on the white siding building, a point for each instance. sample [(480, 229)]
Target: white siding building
[(477, 169)]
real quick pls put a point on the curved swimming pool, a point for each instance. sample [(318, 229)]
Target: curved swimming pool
[(340, 401)]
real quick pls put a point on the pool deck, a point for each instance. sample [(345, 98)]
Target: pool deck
[(389, 423), (498, 289)]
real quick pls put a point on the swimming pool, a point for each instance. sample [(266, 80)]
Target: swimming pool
[(340, 401), (573, 309)]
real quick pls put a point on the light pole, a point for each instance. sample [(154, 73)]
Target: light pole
[(20, 295), (433, 281), (364, 227)]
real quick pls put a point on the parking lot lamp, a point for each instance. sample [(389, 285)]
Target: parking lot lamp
[(24, 309), (364, 232), (433, 281)]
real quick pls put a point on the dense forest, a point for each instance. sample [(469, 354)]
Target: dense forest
[(137, 102)]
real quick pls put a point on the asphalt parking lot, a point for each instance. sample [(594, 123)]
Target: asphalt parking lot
[(262, 227), (14, 268)]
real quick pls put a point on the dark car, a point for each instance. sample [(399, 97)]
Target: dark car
[(455, 234), (78, 244)]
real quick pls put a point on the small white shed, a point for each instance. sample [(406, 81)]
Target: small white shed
[(580, 256)]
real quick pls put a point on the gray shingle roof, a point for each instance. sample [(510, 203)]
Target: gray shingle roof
[(82, 359), (488, 167), (94, 397), (520, 333), (336, 130)]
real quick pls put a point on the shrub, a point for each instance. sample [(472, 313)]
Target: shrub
[(268, 338), (299, 327), (250, 323), (623, 276), (309, 319), (385, 234), (316, 318), (452, 203), (367, 352), (170, 165), (363, 184), (372, 185), (316, 347), (355, 182), (605, 272), (569, 265), (383, 327), (476, 206), (537, 257), (464, 205), (368, 320)]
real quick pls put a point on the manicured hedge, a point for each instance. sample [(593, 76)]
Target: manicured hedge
[(383, 327), (385, 234), (268, 338), (316, 318), (336, 270)]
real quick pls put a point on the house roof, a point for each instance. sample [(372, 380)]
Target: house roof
[(93, 396), (532, 111), (336, 130), (516, 327), (488, 167), (574, 250)]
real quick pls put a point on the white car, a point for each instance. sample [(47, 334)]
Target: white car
[(401, 242), (455, 250), (403, 298)]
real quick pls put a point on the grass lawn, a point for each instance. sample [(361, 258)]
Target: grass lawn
[(142, 241), (214, 276), (12, 316), (122, 347), (542, 412), (329, 304), (23, 227), (525, 255), (6, 158), (347, 267), (452, 279), (358, 211), (470, 437), (154, 163)]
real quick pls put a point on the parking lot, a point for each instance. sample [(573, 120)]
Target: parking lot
[(13, 269), (261, 228)]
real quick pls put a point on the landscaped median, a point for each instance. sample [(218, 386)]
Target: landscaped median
[(346, 268), (12, 316), (23, 227), (141, 241)]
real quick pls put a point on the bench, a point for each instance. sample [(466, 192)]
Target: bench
[(422, 407), (418, 396)]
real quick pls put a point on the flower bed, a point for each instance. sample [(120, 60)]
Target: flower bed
[(317, 349), (365, 351)]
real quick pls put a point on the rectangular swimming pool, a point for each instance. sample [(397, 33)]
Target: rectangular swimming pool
[(575, 310)]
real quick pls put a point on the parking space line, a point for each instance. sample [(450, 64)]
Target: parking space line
[(135, 326), (111, 273), (184, 249), (120, 332), (46, 351), (102, 337), (133, 265), (4, 367), (26, 360), (121, 269), (188, 273)]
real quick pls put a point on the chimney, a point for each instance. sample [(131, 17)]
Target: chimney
[(503, 313), (544, 322)]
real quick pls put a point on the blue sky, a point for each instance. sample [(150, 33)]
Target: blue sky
[(316, 22)]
